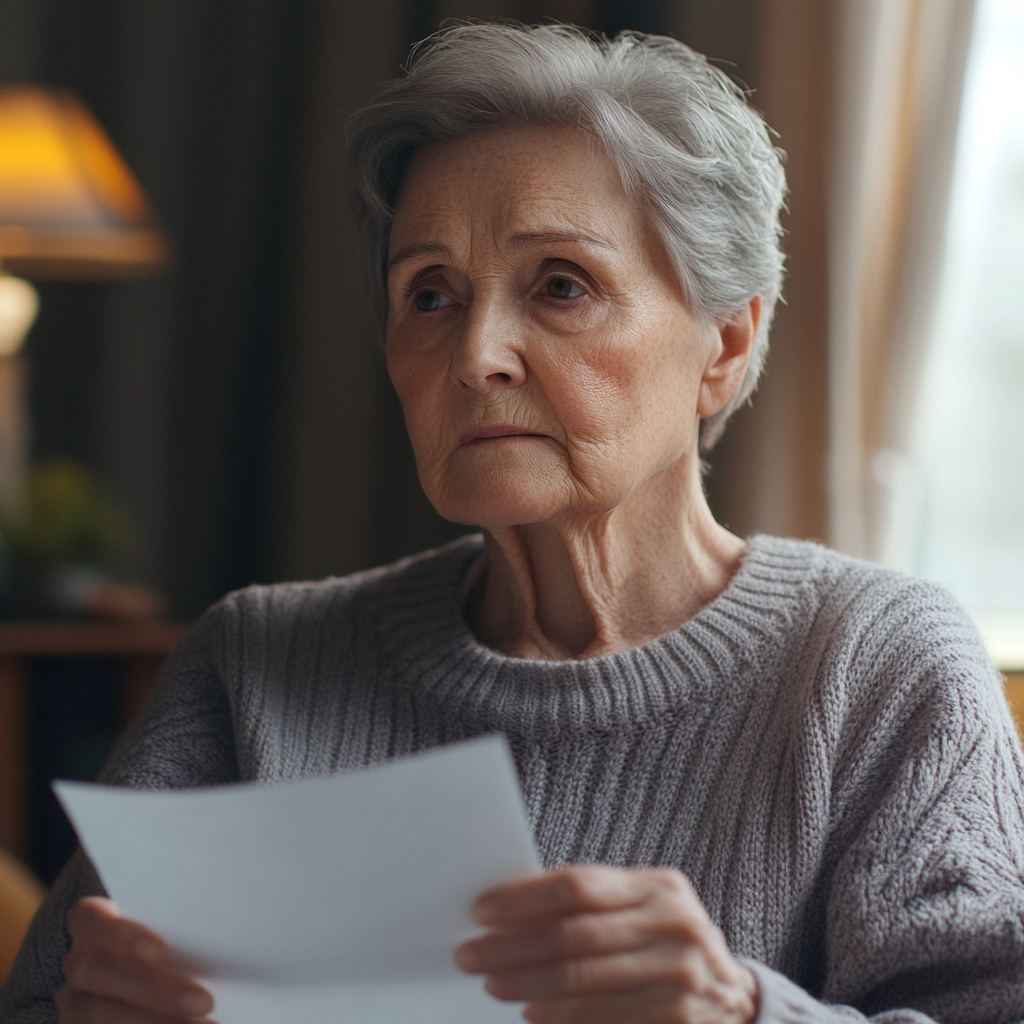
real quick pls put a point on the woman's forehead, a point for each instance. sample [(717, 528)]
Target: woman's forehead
[(525, 152), (521, 181)]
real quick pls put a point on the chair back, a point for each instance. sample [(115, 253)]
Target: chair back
[(20, 895)]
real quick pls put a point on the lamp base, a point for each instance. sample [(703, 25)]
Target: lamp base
[(19, 304)]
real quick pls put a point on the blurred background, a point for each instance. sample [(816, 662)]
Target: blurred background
[(225, 417)]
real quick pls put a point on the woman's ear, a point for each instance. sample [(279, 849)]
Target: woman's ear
[(729, 357)]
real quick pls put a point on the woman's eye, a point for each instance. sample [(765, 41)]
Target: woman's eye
[(428, 300), (563, 288)]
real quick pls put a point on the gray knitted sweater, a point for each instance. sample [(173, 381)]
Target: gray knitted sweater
[(824, 750)]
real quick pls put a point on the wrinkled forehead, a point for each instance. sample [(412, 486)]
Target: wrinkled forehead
[(514, 180)]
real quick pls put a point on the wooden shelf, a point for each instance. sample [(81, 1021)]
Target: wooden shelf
[(100, 639)]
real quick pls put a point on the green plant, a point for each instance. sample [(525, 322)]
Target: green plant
[(69, 518)]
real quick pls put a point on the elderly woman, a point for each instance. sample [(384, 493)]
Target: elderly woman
[(767, 782)]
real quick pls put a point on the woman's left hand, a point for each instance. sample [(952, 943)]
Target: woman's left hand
[(600, 945)]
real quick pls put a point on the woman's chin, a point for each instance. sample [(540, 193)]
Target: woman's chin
[(493, 494), (494, 511)]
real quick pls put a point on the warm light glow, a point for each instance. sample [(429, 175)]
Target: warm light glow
[(19, 303), (69, 205)]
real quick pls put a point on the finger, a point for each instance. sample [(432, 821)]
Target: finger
[(678, 914), (574, 889), (96, 921), (557, 938), (684, 971), (156, 989), (673, 915), (84, 1008)]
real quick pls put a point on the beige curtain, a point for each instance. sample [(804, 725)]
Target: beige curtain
[(768, 472), (864, 95), (899, 73)]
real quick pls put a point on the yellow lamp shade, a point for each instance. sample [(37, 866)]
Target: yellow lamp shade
[(69, 206)]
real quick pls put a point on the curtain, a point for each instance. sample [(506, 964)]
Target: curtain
[(899, 75), (768, 472)]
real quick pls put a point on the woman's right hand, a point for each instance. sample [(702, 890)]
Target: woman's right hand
[(120, 972)]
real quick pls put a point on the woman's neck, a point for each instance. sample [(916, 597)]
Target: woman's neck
[(591, 585)]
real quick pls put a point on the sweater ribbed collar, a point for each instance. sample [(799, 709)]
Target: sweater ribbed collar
[(712, 656)]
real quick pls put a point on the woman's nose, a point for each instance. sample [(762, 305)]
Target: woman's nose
[(487, 355)]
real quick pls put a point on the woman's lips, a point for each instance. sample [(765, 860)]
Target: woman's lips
[(495, 431)]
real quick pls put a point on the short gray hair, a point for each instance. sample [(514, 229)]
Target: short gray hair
[(685, 140)]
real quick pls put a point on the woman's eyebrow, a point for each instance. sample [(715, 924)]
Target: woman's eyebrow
[(521, 241), (529, 239), (421, 249)]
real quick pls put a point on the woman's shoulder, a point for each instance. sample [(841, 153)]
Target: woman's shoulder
[(879, 636), (262, 609), (864, 595)]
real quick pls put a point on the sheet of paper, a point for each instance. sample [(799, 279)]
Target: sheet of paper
[(333, 900)]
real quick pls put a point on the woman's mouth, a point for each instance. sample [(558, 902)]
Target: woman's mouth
[(495, 432)]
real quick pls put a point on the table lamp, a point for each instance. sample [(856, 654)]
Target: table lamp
[(69, 208)]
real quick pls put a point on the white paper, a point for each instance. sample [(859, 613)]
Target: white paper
[(333, 900)]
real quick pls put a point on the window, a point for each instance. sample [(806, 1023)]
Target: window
[(963, 514)]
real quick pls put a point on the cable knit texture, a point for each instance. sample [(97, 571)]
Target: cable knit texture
[(824, 750)]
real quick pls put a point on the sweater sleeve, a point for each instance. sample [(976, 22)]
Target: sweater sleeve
[(924, 919), (183, 738)]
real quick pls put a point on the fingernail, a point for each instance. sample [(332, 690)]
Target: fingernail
[(196, 1004), (148, 950)]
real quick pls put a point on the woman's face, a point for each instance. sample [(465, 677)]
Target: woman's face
[(537, 337)]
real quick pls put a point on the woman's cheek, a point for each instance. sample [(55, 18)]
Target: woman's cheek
[(593, 385), (419, 376)]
